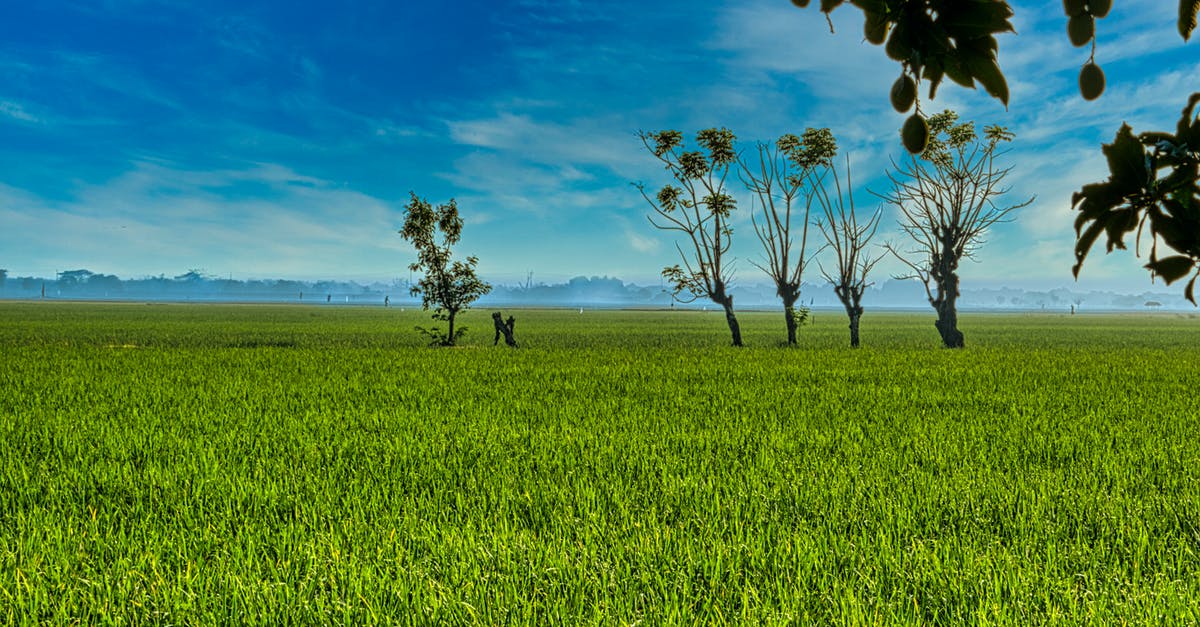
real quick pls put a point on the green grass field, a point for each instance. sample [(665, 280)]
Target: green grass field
[(207, 464)]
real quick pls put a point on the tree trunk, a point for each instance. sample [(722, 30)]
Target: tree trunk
[(947, 326), (854, 318), (789, 312), (946, 277), (734, 329), (449, 341), (947, 322)]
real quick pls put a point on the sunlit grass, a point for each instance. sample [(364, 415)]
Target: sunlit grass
[(266, 465)]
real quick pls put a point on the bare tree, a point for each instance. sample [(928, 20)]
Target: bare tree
[(700, 208), (947, 202), (848, 239), (780, 178)]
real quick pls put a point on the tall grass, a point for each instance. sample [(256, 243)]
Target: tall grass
[(283, 465)]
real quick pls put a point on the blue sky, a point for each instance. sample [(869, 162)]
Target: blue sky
[(275, 139)]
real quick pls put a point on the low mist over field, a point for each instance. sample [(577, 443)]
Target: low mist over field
[(604, 292)]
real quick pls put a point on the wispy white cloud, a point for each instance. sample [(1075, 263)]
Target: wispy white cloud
[(18, 112), (157, 218)]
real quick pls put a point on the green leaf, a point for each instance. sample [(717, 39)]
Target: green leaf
[(1171, 268), (933, 73), (1187, 17), (829, 5), (1094, 201), (987, 72), (1179, 228), (874, 6), (1181, 178), (1117, 224), (1189, 291), (971, 19), (1084, 244), (958, 72), (1126, 162), (1188, 129)]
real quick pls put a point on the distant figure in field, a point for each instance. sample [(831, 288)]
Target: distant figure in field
[(504, 327), (386, 300), (581, 310), (329, 298)]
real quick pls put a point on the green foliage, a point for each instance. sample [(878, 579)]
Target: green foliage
[(802, 315), (1188, 10), (1152, 183), (937, 39), (696, 205), (784, 178), (449, 286), (933, 39), (262, 465), (948, 137), (437, 337), (816, 147)]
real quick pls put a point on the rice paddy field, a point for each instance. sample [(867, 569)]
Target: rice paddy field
[(272, 465)]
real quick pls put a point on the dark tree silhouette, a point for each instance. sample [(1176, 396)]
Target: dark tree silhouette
[(781, 178), (1138, 195), (947, 202), (848, 239), (700, 208), (936, 39), (449, 286)]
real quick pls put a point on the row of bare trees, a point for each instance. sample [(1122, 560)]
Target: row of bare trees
[(946, 200)]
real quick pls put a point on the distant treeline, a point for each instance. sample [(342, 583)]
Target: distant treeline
[(85, 284), (577, 292), (195, 285)]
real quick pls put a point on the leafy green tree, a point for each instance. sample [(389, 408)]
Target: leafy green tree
[(448, 286), (947, 202), (1152, 185), (782, 179), (700, 208), (847, 239)]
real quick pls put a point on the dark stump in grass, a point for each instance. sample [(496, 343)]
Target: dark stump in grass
[(505, 328)]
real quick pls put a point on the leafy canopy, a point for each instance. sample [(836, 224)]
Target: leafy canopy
[(956, 39), (1152, 183), (449, 286)]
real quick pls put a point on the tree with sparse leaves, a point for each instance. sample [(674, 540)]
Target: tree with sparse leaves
[(781, 178), (698, 206), (847, 239), (932, 39), (947, 202), (448, 286)]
